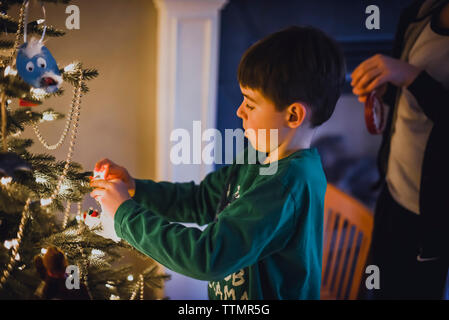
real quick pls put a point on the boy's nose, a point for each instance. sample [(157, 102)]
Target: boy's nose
[(240, 112)]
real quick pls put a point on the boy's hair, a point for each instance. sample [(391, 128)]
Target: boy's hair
[(297, 64)]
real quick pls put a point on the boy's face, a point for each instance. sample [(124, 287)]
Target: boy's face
[(257, 113)]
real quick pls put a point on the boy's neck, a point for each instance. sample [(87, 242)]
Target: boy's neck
[(297, 141)]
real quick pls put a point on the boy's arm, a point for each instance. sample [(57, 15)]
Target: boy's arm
[(183, 202), (253, 226)]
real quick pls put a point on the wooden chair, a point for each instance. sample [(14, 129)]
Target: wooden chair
[(347, 237)]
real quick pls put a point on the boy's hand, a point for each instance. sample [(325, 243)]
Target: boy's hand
[(376, 71), (110, 194), (114, 171)]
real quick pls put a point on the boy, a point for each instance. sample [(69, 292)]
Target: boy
[(264, 233)]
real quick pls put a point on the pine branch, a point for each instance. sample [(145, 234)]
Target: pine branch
[(3, 59), (10, 25), (72, 75), (89, 74), (6, 44), (152, 279), (35, 28), (15, 121), (19, 146), (24, 116), (57, 1), (15, 126), (14, 86), (5, 5)]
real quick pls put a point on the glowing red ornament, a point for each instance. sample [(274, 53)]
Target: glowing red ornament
[(94, 214), (374, 114), (25, 103)]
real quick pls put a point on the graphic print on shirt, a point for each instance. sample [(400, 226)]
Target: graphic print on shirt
[(233, 287), (235, 196)]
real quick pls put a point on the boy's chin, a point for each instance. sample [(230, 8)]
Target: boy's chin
[(257, 148), (253, 140)]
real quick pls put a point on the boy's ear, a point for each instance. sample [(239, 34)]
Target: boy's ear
[(296, 114)]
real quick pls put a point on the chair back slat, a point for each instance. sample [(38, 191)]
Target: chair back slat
[(346, 240)]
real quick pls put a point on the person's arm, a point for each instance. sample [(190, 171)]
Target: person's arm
[(258, 223), (432, 97), (183, 202)]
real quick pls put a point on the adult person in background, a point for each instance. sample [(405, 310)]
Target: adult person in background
[(410, 242)]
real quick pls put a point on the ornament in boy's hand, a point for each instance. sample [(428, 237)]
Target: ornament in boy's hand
[(99, 175)]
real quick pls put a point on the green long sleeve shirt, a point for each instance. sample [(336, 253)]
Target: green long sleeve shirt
[(265, 244)]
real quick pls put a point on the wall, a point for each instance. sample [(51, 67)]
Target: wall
[(118, 38), (343, 20)]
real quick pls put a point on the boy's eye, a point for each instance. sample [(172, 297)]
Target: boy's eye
[(249, 107)]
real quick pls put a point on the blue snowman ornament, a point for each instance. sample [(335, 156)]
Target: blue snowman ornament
[(37, 67)]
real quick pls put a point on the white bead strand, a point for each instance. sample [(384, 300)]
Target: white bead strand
[(66, 214), (15, 249), (77, 105), (63, 135), (141, 287), (74, 104)]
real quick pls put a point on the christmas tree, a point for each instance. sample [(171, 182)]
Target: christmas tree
[(38, 232)]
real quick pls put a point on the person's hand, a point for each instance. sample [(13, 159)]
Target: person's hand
[(114, 171), (380, 91), (110, 194), (375, 72)]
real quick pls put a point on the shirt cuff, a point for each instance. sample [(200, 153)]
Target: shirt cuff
[(139, 191), (124, 210)]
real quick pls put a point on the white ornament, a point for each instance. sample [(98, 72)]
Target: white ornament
[(46, 202), (70, 68), (41, 180), (47, 116), (107, 224), (6, 181)]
